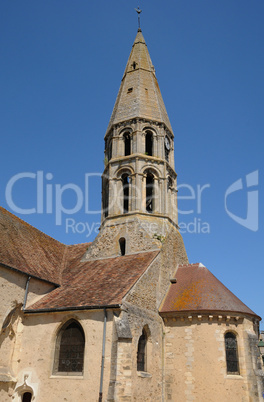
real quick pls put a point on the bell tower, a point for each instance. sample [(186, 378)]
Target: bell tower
[(139, 183), (139, 176)]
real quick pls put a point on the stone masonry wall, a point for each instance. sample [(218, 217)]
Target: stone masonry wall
[(106, 243), (12, 295), (33, 358), (129, 384), (151, 288), (195, 362), (141, 307)]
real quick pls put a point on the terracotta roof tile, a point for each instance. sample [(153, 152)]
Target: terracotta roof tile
[(197, 290), (27, 249), (96, 283)]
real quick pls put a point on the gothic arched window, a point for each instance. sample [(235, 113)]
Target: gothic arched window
[(142, 352), (69, 353), (127, 142), (149, 143), (125, 183), (231, 353), (150, 192)]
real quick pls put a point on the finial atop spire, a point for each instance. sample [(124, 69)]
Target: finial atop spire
[(138, 12)]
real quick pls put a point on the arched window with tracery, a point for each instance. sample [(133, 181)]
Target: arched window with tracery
[(69, 353), (149, 192), (127, 143), (149, 143), (125, 184), (231, 353)]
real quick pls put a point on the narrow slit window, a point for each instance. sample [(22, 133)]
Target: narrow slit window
[(167, 154), (105, 192), (141, 352), (122, 244), (127, 142), (109, 150), (167, 148), (125, 182), (169, 183), (150, 192), (231, 353), (149, 143)]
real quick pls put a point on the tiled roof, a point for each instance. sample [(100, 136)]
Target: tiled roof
[(96, 283), (27, 249), (139, 94), (198, 290), (73, 256)]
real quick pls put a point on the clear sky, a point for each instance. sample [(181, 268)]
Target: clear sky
[(61, 67)]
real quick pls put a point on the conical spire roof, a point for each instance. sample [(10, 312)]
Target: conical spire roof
[(197, 290), (139, 94)]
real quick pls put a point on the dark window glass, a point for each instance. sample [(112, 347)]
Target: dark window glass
[(109, 150), (149, 143), (141, 353), (231, 353), (127, 140), (71, 349), (105, 192), (169, 183), (27, 397), (125, 182), (167, 152), (122, 244), (149, 192)]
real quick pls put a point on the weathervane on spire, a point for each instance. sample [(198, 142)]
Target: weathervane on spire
[(138, 12)]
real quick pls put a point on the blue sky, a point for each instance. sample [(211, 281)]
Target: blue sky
[(62, 64)]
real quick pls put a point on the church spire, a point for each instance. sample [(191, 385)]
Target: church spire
[(139, 94), (139, 178)]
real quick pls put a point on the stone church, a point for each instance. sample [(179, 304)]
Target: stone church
[(126, 317)]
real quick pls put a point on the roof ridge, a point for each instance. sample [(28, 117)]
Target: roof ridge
[(118, 256), (78, 244)]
